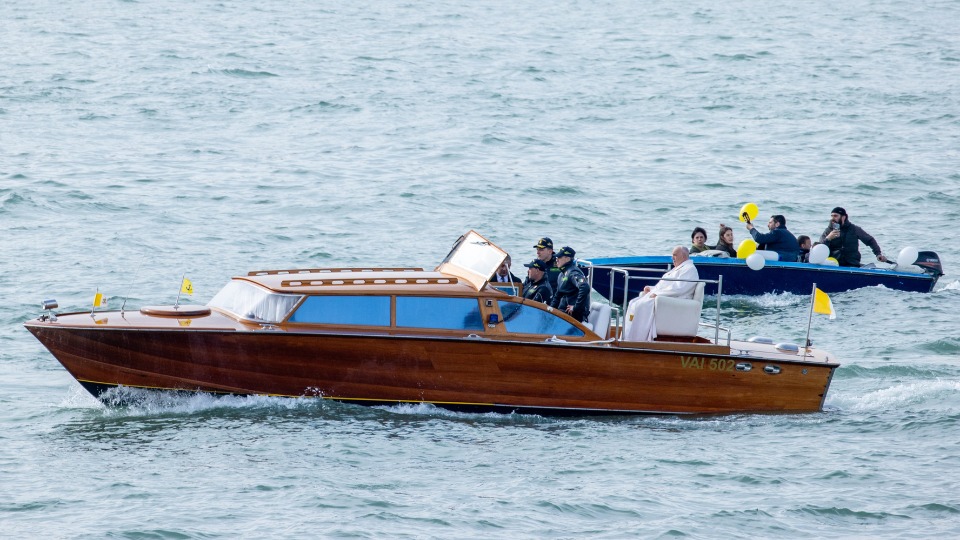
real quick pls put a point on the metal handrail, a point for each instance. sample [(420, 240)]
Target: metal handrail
[(626, 290)]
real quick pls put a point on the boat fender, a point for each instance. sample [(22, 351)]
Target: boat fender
[(760, 339)]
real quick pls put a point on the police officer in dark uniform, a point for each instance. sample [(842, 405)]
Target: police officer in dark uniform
[(537, 286), (573, 291), (545, 254)]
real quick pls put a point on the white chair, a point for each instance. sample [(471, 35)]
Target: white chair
[(599, 319), (679, 316)]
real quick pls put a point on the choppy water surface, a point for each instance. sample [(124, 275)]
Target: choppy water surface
[(143, 140)]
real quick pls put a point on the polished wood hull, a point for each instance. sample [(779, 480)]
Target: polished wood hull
[(458, 373)]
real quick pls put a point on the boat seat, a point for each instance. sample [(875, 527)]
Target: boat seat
[(679, 316), (599, 319)]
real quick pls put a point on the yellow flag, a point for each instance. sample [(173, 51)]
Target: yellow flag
[(822, 304), (186, 286), (99, 300)]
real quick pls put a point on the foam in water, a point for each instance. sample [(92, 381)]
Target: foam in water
[(138, 401), (938, 392)]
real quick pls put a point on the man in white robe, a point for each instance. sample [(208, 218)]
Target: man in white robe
[(641, 311)]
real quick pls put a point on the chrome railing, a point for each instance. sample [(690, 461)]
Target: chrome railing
[(621, 307)]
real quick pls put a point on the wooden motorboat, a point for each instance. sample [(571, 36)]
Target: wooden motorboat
[(405, 335)]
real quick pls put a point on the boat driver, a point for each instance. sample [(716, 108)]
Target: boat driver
[(544, 249), (537, 286), (843, 238), (573, 291), (503, 273)]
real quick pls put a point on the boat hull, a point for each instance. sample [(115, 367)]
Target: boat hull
[(457, 373), (775, 277)]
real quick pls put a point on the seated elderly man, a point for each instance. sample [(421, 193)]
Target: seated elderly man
[(640, 320)]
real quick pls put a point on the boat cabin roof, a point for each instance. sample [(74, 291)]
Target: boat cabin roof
[(463, 272), (361, 281)]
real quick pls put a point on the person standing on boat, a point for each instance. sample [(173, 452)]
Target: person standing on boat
[(537, 286), (545, 253), (843, 238), (640, 323), (779, 239), (573, 292)]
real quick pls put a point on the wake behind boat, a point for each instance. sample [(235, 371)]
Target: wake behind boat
[(447, 337), (773, 277)]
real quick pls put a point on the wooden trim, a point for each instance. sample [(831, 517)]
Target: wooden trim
[(333, 281), (328, 271)]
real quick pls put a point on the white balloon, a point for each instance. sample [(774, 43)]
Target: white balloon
[(756, 261), (907, 256), (819, 253)]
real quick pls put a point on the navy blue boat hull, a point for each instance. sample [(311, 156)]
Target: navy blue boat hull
[(738, 278)]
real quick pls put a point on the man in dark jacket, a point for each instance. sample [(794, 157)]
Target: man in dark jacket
[(503, 273), (779, 239), (573, 291), (843, 238), (537, 286), (545, 253)]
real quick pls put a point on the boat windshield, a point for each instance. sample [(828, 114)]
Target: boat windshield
[(473, 258), (247, 301)]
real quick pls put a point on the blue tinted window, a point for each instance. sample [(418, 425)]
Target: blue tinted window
[(522, 319), (444, 313), (364, 310)]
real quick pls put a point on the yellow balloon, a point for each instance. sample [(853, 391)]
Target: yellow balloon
[(749, 209), (746, 248), (831, 262)]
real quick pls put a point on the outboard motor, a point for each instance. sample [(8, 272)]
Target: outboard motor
[(930, 262)]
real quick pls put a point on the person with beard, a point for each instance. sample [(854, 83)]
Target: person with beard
[(843, 238), (779, 239)]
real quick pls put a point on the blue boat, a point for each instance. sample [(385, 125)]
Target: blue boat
[(775, 276)]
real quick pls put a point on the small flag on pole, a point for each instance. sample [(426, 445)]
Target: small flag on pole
[(186, 286), (822, 304), (99, 300)]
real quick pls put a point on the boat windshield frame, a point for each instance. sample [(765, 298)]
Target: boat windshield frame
[(473, 259), (248, 301)]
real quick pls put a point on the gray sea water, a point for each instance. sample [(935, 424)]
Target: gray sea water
[(145, 140)]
